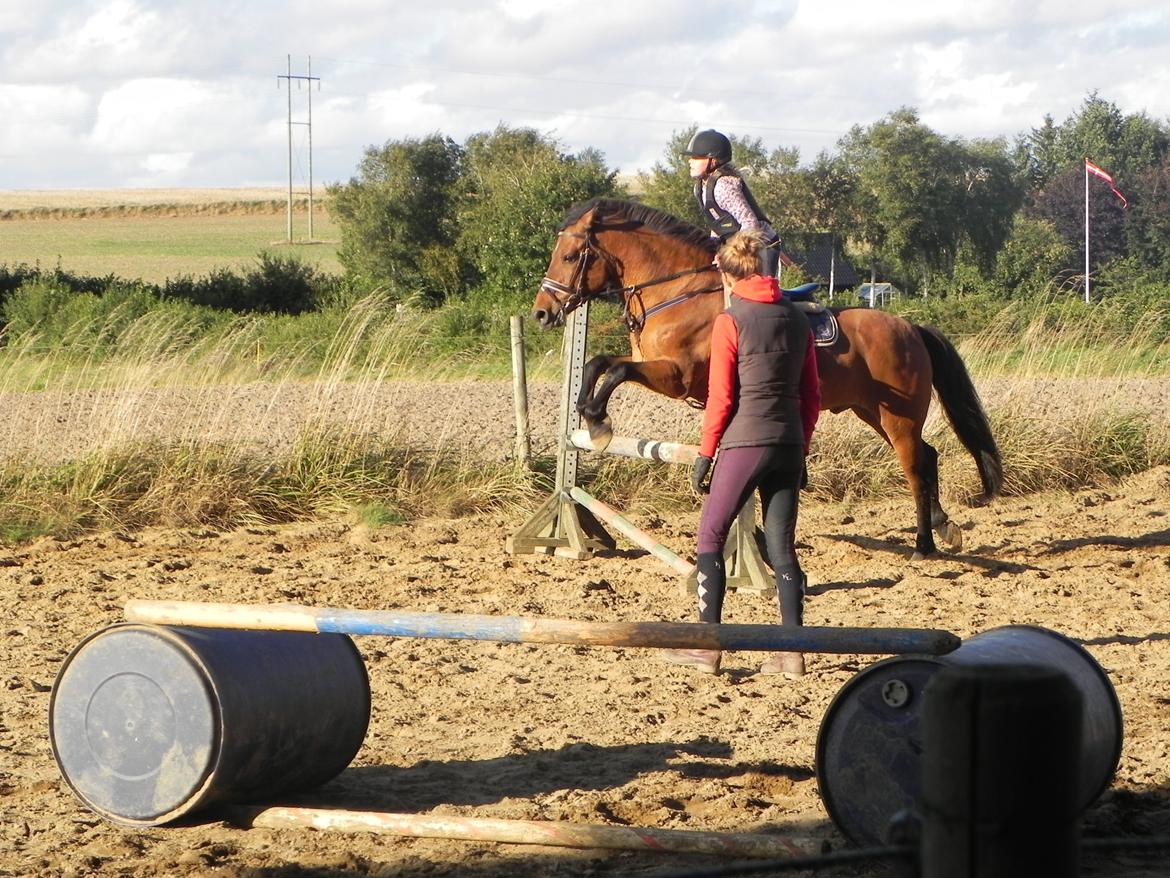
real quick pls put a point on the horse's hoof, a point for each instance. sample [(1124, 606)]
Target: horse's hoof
[(917, 556), (600, 434), (951, 534)]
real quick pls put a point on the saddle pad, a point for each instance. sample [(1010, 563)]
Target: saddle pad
[(824, 326)]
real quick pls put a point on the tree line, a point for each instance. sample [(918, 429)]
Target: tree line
[(431, 220)]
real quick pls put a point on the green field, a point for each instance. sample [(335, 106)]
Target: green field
[(155, 242)]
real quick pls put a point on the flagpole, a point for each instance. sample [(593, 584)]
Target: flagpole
[(1086, 231)]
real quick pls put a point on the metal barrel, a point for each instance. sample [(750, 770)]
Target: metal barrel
[(869, 746), (150, 723)]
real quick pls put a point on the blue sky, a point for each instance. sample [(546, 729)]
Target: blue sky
[(145, 93)]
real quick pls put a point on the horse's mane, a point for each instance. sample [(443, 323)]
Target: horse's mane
[(615, 209)]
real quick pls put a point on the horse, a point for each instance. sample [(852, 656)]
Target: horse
[(881, 367)]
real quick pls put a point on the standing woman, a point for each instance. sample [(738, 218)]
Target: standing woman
[(762, 405), (724, 198)]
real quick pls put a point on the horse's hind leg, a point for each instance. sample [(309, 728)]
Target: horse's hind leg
[(947, 530), (906, 439)]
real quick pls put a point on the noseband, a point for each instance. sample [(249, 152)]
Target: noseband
[(575, 293)]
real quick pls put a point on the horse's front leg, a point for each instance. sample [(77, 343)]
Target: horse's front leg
[(660, 376), (600, 433)]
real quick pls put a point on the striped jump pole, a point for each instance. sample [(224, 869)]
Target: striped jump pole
[(645, 449), (540, 832), (521, 629), (632, 532)]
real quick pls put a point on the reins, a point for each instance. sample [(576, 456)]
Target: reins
[(576, 293)]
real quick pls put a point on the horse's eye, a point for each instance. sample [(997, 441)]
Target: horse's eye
[(570, 257)]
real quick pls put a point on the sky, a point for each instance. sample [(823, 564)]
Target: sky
[(101, 94)]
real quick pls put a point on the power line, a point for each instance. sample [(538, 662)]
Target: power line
[(310, 79)]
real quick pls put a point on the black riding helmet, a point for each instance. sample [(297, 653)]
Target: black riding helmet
[(710, 144)]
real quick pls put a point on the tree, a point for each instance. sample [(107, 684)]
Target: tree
[(1033, 258), (1147, 222), (993, 192), (1098, 130), (516, 189), (920, 197), (397, 218)]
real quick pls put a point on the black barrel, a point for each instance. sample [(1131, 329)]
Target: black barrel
[(150, 723), (869, 747)]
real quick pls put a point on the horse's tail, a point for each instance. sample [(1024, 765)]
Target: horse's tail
[(961, 403)]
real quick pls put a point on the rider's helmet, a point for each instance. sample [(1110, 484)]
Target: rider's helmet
[(710, 144)]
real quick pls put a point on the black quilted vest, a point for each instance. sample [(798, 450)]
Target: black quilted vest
[(772, 342)]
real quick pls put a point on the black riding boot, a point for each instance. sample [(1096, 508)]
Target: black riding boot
[(712, 581), (790, 582), (712, 584)]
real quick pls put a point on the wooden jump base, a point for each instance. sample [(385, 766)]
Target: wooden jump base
[(521, 629), (537, 832)]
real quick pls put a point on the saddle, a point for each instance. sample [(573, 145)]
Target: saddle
[(822, 321)]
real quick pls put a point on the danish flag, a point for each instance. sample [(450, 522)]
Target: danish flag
[(1091, 168)]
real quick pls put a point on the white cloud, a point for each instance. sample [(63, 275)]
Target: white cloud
[(106, 40), (186, 92)]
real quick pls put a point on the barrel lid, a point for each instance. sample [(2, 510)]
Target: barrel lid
[(134, 724), (869, 747)]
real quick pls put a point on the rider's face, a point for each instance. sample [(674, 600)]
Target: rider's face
[(698, 165)]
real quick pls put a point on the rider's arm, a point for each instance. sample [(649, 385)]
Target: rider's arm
[(728, 194), (810, 392), (721, 383)]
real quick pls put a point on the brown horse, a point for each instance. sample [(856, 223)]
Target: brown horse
[(881, 367)]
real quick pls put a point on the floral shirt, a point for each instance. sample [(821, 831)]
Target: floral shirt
[(728, 194)]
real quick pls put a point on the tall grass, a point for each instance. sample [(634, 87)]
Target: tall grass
[(220, 466), (1069, 409)]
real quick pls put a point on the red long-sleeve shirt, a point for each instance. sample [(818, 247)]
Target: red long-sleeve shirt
[(722, 387)]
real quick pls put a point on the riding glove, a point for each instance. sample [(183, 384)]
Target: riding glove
[(699, 474)]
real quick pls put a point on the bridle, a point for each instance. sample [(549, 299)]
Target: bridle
[(575, 294)]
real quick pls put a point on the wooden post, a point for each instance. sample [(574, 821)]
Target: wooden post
[(559, 526), (574, 529), (520, 391)]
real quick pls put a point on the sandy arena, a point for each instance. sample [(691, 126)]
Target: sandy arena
[(583, 734)]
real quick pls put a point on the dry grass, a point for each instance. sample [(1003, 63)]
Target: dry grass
[(218, 470), (1062, 421)]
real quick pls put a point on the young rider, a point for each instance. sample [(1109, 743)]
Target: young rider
[(762, 405), (724, 198)]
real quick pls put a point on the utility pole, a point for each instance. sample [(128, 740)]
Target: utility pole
[(310, 79)]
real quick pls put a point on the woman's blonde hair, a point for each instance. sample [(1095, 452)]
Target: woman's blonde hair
[(739, 257)]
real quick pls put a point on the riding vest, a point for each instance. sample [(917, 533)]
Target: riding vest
[(769, 340), (722, 222)]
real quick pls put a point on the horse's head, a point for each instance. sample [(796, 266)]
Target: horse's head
[(580, 269)]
